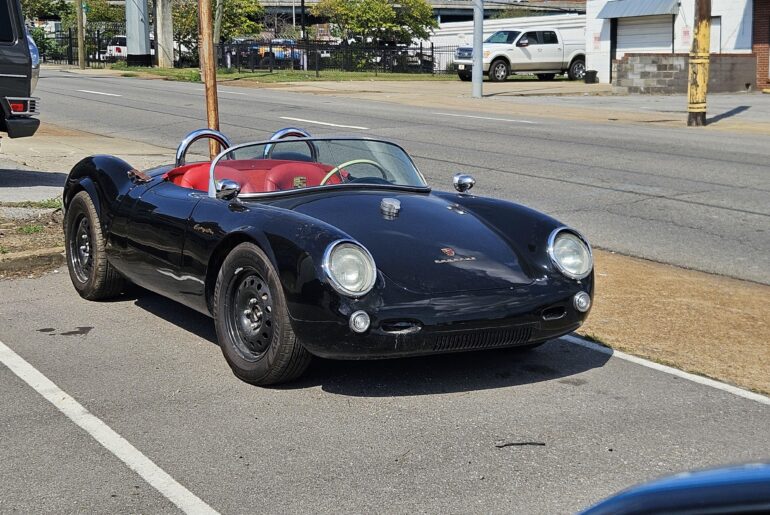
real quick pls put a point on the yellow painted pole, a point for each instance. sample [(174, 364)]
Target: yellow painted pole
[(209, 68), (699, 65)]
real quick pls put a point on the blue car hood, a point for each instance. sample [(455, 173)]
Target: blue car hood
[(432, 246)]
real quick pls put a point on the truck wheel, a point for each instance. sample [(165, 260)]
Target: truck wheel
[(252, 320), (92, 275), (546, 76), (464, 76), (577, 70), (498, 71)]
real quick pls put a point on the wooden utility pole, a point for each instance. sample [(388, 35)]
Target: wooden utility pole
[(81, 34), (699, 65), (209, 69)]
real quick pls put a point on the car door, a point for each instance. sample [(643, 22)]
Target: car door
[(154, 240), (550, 51), (528, 46)]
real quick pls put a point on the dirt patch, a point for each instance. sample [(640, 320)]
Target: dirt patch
[(30, 233), (701, 323)]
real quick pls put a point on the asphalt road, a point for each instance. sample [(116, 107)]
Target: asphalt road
[(694, 198), (418, 435)]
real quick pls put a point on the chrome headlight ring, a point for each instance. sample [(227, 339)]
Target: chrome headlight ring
[(334, 280), (560, 266)]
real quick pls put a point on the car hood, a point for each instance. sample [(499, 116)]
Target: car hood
[(431, 246)]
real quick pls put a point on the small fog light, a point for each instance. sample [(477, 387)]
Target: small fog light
[(359, 321), (582, 302)]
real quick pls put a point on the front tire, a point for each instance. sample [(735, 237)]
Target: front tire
[(92, 275), (498, 71), (465, 77), (577, 70), (252, 320)]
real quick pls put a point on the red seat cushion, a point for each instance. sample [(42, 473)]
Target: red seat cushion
[(254, 175)]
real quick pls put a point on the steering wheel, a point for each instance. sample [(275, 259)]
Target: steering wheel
[(352, 162)]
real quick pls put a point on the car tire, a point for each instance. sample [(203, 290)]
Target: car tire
[(465, 77), (546, 76), (252, 320), (92, 275), (498, 71), (577, 70)]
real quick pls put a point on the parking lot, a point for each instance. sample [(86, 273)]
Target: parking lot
[(550, 431)]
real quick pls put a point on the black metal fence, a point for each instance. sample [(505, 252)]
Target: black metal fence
[(62, 48), (252, 55)]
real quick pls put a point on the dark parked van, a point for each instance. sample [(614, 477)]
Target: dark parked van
[(19, 71)]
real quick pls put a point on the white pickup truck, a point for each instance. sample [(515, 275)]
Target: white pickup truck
[(543, 52)]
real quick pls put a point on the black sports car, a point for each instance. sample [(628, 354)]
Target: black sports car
[(329, 246)]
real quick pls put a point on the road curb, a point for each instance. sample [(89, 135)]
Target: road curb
[(31, 259)]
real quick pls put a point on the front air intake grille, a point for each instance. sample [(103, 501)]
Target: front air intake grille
[(482, 339)]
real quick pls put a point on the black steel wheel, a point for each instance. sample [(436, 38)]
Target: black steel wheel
[(577, 70), (252, 320), (92, 275), (498, 71)]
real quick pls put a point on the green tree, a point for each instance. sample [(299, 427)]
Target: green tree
[(392, 21), (98, 11), (239, 18), (42, 8)]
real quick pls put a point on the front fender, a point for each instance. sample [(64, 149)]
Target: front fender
[(106, 180)]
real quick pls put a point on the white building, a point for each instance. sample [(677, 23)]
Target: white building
[(615, 28)]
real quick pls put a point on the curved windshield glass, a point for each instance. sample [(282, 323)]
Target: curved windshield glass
[(503, 36), (293, 164)]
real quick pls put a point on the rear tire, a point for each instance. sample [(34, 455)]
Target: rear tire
[(252, 320), (498, 71), (577, 70), (465, 77), (546, 76), (92, 275)]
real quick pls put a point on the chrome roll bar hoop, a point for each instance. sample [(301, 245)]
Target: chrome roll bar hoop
[(181, 150)]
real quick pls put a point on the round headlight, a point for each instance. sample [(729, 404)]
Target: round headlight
[(350, 268), (570, 253)]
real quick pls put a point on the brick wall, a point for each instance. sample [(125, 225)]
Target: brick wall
[(761, 42), (664, 74)]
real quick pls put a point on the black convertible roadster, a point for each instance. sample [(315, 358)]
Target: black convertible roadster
[(329, 246)]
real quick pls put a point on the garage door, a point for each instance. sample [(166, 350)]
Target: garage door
[(644, 34)]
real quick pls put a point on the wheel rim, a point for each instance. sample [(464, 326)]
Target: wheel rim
[(81, 255), (579, 70), (500, 71), (250, 317)]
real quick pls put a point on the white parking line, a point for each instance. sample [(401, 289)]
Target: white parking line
[(231, 93), (324, 123), (98, 93), (740, 392), (486, 118), (102, 433)]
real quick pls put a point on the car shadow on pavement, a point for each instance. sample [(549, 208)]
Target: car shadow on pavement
[(13, 178), (451, 373), (426, 375)]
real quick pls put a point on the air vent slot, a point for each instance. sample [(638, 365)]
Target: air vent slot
[(554, 313)]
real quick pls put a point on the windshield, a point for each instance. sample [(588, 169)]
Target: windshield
[(292, 164), (503, 36)]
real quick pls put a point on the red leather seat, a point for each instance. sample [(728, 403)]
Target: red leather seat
[(254, 175)]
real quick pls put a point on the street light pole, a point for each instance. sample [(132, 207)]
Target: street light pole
[(477, 72), (699, 65), (81, 34)]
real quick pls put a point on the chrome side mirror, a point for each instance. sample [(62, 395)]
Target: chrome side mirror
[(228, 189), (463, 182)]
